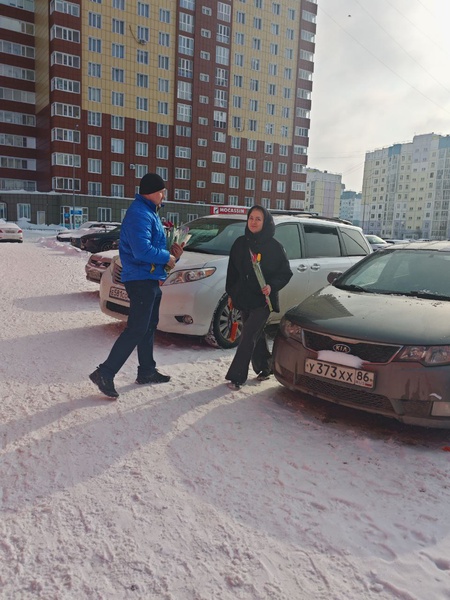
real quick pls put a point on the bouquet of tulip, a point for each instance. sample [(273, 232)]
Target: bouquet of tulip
[(176, 235), (256, 260), (233, 323)]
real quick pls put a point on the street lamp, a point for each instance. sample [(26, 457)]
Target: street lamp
[(73, 175)]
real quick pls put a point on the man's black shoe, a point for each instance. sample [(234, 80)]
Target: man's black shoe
[(104, 383), (155, 377)]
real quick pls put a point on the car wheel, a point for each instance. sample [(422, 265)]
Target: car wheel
[(106, 246), (219, 331)]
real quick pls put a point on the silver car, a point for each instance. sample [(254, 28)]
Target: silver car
[(194, 301)]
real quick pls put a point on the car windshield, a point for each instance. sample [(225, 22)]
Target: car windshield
[(420, 273), (214, 236), (374, 239)]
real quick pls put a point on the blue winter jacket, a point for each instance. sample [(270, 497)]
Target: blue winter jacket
[(142, 246)]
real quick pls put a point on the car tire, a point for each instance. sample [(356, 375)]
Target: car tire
[(219, 331), (106, 246)]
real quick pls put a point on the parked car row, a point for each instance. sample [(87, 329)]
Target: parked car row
[(360, 328)]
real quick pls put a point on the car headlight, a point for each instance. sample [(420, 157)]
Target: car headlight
[(427, 355), (189, 275), (290, 329)]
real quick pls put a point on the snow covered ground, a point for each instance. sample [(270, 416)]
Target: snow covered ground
[(190, 491)]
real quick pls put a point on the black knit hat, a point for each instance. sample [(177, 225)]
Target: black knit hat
[(150, 183)]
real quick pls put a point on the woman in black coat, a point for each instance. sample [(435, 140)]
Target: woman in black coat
[(246, 294)]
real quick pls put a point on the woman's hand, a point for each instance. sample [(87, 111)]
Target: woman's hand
[(266, 290)]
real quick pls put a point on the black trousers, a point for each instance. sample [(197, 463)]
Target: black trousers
[(252, 346), (145, 298)]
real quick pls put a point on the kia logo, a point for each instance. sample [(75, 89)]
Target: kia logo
[(342, 348)]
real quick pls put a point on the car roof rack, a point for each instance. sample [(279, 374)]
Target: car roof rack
[(313, 215)]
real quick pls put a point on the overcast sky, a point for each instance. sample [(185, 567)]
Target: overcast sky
[(382, 75)]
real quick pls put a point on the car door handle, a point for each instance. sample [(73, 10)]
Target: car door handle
[(302, 268), (315, 267)]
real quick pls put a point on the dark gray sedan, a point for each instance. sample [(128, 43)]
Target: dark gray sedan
[(377, 338)]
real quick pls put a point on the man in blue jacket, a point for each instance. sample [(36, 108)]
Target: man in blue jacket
[(144, 258)]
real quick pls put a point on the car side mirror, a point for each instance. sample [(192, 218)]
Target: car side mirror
[(333, 275)]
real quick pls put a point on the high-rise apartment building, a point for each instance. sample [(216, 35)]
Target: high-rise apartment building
[(350, 207), (406, 189), (214, 96), (323, 192)]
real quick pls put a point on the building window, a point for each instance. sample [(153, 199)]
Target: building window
[(94, 165), (186, 22), (117, 50), (184, 112), (182, 131), (117, 122), (141, 149), (143, 10), (184, 90), (182, 152), (141, 126), (94, 118), (164, 39), (185, 68), (142, 57), (181, 173), (117, 99), (95, 20), (141, 103), (223, 34), (224, 12), (94, 142), (117, 190), (141, 80), (164, 15), (117, 146), (143, 33), (162, 152), (163, 108), (164, 85)]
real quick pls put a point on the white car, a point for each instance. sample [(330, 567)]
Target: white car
[(10, 232), (194, 301), (98, 263), (87, 227)]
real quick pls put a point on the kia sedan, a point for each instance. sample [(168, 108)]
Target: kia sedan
[(376, 339)]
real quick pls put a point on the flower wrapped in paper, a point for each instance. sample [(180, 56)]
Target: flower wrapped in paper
[(175, 235), (256, 260)]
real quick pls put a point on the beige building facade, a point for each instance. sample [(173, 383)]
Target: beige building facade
[(215, 96)]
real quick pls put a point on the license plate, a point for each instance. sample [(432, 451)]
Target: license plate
[(119, 294), (340, 373)]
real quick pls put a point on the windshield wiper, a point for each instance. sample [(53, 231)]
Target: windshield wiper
[(427, 294), (352, 287)]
